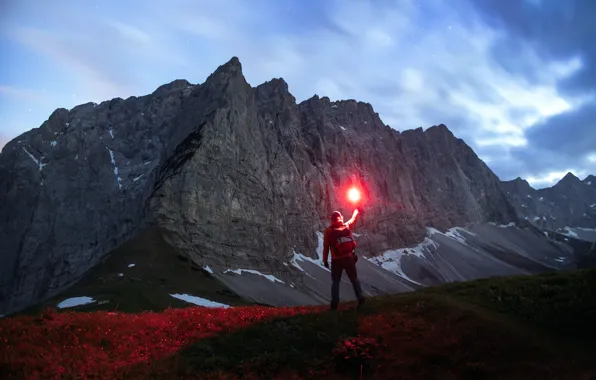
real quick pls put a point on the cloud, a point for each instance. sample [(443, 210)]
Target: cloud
[(504, 78), (100, 77), (561, 35), (23, 94)]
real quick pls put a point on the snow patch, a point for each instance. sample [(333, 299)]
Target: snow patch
[(77, 157), (334, 106), (75, 301), (529, 196), (455, 235), (511, 224), (118, 179), (267, 276), (39, 164), (300, 257), (111, 133), (541, 198), (120, 274), (318, 262), (342, 128), (137, 178), (199, 301), (570, 232), (391, 260), (147, 163), (593, 206), (53, 143), (131, 265), (560, 259), (206, 267)]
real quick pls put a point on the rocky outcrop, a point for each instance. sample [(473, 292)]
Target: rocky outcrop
[(235, 176), (571, 202)]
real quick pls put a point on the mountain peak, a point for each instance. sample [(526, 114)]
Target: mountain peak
[(232, 67), (228, 79), (174, 85), (568, 180)]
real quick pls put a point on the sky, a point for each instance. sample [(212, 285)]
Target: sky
[(515, 79)]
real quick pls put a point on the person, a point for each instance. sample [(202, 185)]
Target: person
[(339, 240)]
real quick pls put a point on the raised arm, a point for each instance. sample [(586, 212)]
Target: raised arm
[(353, 218)]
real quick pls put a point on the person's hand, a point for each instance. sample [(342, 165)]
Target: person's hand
[(326, 264)]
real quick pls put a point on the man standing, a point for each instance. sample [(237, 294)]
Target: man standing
[(338, 238)]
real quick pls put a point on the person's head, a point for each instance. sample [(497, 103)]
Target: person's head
[(337, 217)]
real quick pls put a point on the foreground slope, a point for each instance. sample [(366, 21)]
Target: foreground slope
[(161, 273), (511, 327), (238, 177)]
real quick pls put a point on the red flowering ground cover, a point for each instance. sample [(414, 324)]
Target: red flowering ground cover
[(100, 344), (477, 330)]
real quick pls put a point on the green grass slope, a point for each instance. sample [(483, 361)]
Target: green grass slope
[(522, 327), (159, 270)]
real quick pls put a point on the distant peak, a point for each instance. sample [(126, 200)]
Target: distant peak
[(590, 178), (569, 179)]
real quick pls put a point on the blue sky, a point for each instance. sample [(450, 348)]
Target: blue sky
[(516, 79)]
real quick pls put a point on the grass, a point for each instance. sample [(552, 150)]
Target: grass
[(158, 272), (519, 327)]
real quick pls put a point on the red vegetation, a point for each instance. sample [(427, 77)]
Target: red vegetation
[(100, 344)]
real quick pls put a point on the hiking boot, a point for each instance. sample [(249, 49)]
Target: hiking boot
[(361, 302)]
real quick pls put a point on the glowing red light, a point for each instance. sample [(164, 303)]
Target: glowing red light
[(353, 195)]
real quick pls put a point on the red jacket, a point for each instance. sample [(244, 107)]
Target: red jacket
[(326, 247)]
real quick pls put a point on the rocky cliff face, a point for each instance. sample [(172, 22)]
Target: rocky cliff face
[(571, 202), (235, 176)]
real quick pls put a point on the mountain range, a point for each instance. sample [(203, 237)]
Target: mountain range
[(238, 181)]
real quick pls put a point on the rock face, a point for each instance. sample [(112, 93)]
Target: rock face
[(235, 176), (569, 203)]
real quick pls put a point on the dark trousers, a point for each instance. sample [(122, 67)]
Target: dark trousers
[(337, 267)]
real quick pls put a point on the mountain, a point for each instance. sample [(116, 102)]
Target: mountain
[(568, 205), (240, 181)]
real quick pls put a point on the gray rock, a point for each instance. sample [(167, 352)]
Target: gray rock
[(235, 176), (569, 203)]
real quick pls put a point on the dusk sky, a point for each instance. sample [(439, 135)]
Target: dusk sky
[(516, 79)]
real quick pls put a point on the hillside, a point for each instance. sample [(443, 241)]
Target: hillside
[(509, 327), (241, 180), (237, 177), (568, 207)]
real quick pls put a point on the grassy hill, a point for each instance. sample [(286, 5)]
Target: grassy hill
[(522, 327), (140, 275)]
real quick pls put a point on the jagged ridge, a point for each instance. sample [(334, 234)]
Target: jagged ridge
[(236, 176)]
